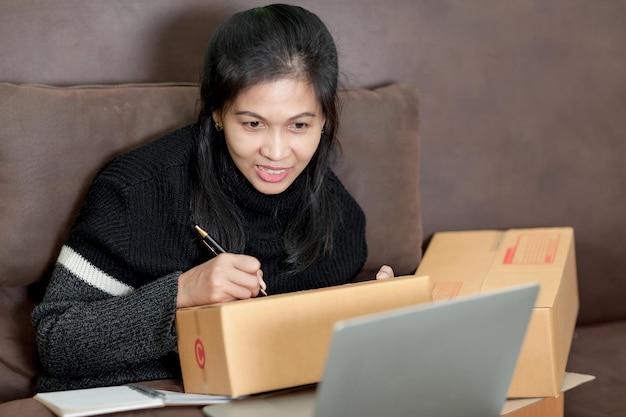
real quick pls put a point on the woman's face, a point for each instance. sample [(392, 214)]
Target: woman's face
[(272, 131)]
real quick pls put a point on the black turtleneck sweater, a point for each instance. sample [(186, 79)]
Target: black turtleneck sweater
[(108, 314)]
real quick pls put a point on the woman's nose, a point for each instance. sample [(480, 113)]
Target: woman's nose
[(275, 147)]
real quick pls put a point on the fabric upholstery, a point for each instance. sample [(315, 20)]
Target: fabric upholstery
[(598, 350), (378, 129), (53, 141), (18, 350)]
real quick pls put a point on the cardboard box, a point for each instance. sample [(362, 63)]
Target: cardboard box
[(544, 407), (269, 343), (461, 263)]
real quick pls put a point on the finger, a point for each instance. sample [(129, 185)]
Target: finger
[(249, 266), (238, 292), (227, 279), (385, 272), (262, 284), (244, 263), (241, 279)]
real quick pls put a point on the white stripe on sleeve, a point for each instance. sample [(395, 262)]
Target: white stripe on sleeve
[(89, 273)]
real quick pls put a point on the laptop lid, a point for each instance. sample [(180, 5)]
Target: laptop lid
[(443, 359)]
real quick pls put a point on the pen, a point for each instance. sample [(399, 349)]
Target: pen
[(146, 390), (211, 243), (215, 247)]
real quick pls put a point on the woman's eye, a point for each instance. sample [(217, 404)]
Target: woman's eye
[(300, 126), (254, 124)]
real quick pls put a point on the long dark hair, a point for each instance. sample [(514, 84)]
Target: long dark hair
[(259, 45)]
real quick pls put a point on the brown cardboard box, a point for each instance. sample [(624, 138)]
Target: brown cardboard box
[(467, 262), (268, 343), (544, 407)]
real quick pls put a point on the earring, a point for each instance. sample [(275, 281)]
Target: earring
[(323, 127), (218, 127)]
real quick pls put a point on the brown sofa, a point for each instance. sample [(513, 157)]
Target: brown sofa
[(522, 124)]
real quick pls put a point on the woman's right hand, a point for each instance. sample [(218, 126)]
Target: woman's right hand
[(227, 277)]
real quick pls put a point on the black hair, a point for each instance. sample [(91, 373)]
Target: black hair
[(254, 46)]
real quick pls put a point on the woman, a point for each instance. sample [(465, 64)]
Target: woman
[(254, 171)]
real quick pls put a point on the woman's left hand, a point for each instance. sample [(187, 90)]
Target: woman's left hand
[(384, 272)]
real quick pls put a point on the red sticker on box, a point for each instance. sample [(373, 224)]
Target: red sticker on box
[(200, 355), (532, 249), (446, 290)]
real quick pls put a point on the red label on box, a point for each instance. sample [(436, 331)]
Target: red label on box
[(533, 249), (446, 290), (200, 355)]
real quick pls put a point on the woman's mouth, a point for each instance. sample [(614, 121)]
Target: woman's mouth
[(272, 174)]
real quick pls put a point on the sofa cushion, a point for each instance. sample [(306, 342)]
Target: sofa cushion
[(598, 350), (380, 167), (18, 350), (53, 141)]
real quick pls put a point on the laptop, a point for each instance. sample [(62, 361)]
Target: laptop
[(442, 359)]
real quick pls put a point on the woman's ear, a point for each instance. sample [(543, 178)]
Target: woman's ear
[(323, 125), (217, 117)]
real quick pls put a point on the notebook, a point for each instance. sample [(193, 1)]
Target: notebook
[(445, 359), (105, 400)]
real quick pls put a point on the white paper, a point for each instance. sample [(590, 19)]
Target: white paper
[(104, 400)]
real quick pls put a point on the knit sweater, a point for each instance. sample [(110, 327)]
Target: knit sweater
[(107, 317)]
